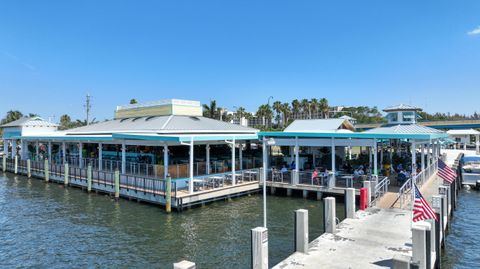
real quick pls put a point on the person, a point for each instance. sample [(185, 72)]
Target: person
[(284, 169), (356, 174), (292, 165)]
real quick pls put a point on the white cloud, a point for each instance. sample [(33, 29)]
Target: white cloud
[(475, 31)]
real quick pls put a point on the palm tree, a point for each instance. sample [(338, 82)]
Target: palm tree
[(12, 115), (314, 105), (285, 113), (65, 122), (295, 107), (133, 101), (306, 107), (277, 106), (241, 112), (264, 111), (210, 111), (323, 106)]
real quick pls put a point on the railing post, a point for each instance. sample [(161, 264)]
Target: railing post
[(46, 170), (15, 169), (329, 215), (29, 168), (66, 174), (260, 248), (419, 247), (168, 196), (350, 203), (117, 184), (301, 231), (89, 178)]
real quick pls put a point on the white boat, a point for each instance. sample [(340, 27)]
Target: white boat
[(471, 170)]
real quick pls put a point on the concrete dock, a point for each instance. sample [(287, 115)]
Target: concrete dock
[(371, 240)]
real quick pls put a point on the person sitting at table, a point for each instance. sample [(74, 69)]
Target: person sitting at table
[(284, 169), (315, 176)]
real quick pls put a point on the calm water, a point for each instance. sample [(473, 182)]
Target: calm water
[(463, 244), (49, 226)]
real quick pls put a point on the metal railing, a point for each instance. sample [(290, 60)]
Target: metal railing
[(404, 194), (380, 189)]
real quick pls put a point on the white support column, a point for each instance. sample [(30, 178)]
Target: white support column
[(292, 154), (333, 159), (165, 161), (381, 154), (23, 150), (190, 182), (264, 176), (124, 158), (429, 153), (37, 150), (100, 156), (207, 167), (80, 154), (49, 151), (369, 150), (5, 147), (313, 157), (375, 157), (233, 163), (422, 149), (240, 156), (414, 157), (14, 148), (477, 144), (64, 152), (295, 180)]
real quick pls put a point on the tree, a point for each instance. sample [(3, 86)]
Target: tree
[(241, 112), (65, 122), (296, 106), (133, 101), (286, 111), (306, 107), (264, 112), (323, 107), (314, 105), (210, 111), (12, 115), (277, 106)]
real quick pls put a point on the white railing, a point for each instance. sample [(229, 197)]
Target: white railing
[(380, 189), (404, 194)]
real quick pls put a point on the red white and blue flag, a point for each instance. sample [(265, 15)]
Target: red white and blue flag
[(445, 172), (421, 209)]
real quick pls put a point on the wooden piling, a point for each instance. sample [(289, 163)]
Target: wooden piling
[(66, 174), (29, 168), (46, 170), (89, 178), (15, 170), (168, 190), (117, 184), (4, 162)]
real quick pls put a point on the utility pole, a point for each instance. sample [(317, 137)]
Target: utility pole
[(88, 106)]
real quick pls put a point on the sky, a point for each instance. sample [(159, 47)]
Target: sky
[(238, 52)]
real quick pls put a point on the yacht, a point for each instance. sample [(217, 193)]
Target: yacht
[(471, 171)]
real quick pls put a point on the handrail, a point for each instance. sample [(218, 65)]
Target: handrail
[(380, 189)]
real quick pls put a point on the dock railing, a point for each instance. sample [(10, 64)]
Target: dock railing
[(380, 189), (404, 194)]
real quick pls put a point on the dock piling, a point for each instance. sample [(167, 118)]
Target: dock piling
[(89, 178), (419, 248), (329, 215), (401, 262), (117, 184), (168, 196), (350, 203), (260, 248), (184, 265), (4, 163), (46, 170), (66, 174), (29, 168), (429, 240), (15, 170), (301, 231)]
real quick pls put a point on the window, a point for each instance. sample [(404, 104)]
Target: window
[(408, 116), (392, 117)]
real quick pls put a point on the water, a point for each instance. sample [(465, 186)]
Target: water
[(49, 226), (463, 245)]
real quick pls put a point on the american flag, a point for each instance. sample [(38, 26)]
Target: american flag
[(421, 209), (445, 172)]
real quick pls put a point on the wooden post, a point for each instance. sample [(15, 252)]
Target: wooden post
[(4, 162), (15, 170), (168, 190), (29, 168), (46, 170), (66, 175), (89, 178), (117, 184)]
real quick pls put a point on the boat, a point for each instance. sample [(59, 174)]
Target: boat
[(471, 171)]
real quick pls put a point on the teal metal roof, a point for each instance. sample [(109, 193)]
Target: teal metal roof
[(186, 137)]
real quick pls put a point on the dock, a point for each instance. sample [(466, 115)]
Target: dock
[(372, 239)]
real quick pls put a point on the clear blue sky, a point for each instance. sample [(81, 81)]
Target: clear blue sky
[(238, 52)]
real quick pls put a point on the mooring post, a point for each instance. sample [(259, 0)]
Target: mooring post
[(260, 248), (15, 170), (66, 174), (117, 184), (46, 170), (184, 265), (4, 163), (329, 215), (401, 262), (89, 178), (437, 204), (350, 203), (301, 231), (29, 168), (168, 196), (419, 248), (367, 184), (429, 241)]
